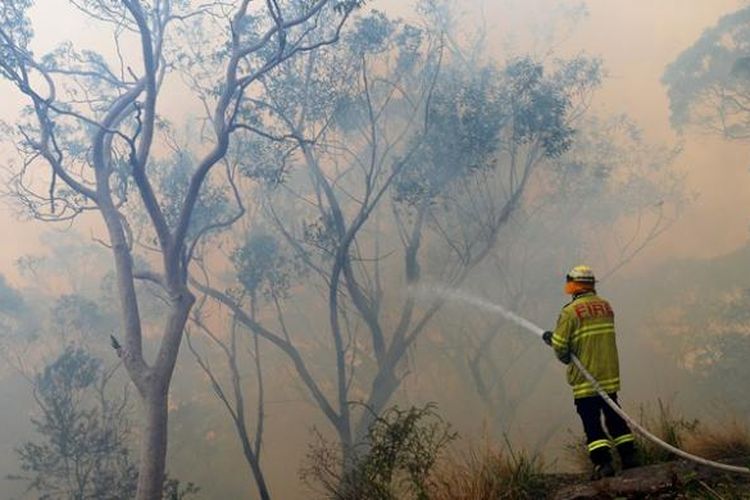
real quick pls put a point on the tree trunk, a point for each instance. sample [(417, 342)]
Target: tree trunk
[(153, 445), (154, 389), (346, 445), (383, 387), (252, 460)]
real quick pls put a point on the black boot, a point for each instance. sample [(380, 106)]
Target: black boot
[(628, 455), (602, 460), (602, 470)]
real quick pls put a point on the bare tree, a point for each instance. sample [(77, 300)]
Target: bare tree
[(92, 135), (234, 400), (408, 170)]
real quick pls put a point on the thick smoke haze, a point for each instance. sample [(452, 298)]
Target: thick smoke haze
[(696, 196), (636, 40)]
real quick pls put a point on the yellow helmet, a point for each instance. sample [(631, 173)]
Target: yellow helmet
[(581, 274)]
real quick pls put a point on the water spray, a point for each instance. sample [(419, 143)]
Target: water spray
[(446, 293)]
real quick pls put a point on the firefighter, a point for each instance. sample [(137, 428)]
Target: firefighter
[(586, 328)]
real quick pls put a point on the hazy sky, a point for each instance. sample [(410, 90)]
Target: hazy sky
[(636, 39)]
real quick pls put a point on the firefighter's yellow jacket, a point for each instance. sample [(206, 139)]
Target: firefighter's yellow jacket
[(586, 328)]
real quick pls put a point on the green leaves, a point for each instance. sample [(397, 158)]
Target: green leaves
[(15, 36), (81, 450), (370, 33), (347, 6), (707, 84), (11, 301), (475, 115), (173, 176), (394, 460), (264, 266), (465, 119), (74, 370)]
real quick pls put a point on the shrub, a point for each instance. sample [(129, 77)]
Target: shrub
[(394, 461), (82, 448)]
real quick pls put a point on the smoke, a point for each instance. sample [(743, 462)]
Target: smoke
[(611, 202)]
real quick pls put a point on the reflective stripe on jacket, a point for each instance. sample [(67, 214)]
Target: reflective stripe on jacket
[(586, 328)]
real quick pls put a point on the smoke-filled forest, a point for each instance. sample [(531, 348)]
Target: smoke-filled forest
[(299, 249)]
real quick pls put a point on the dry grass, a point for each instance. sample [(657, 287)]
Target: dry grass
[(729, 441), (490, 473), (669, 428), (576, 452)]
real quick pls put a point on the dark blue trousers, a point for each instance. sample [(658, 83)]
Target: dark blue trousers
[(591, 410)]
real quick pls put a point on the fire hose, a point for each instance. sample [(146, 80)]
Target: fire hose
[(531, 327)]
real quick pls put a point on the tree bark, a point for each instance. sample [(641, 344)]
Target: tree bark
[(153, 445), (383, 387), (253, 461), (154, 396)]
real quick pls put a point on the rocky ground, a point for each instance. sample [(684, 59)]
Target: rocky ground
[(671, 480)]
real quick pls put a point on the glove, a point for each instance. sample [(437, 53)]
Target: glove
[(547, 337), (565, 358)]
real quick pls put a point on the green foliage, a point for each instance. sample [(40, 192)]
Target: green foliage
[(474, 115), (370, 33), (466, 115), (98, 75), (524, 475), (15, 31), (83, 451), (537, 107), (375, 40), (708, 83), (724, 369), (11, 302), (174, 490), (263, 266), (399, 442), (269, 161), (174, 181), (347, 6), (394, 461), (541, 101), (320, 234), (708, 330), (74, 313)]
